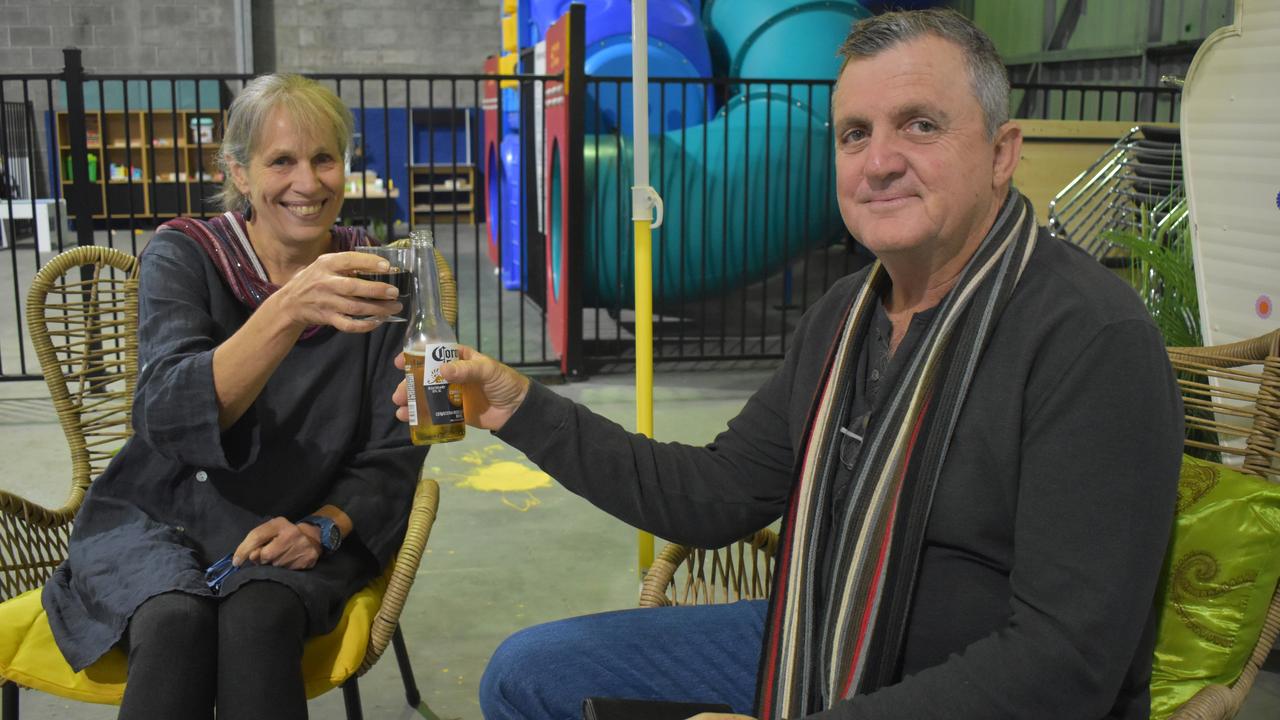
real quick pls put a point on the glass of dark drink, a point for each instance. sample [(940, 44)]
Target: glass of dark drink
[(400, 275)]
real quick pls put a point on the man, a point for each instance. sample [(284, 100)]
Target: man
[(973, 444)]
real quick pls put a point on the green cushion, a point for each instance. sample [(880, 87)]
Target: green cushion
[(1217, 583)]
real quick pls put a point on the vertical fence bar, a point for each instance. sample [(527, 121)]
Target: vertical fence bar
[(620, 224), (768, 239), (546, 288), (724, 225), (746, 217), (575, 97), (128, 155), (80, 204), (29, 136), (13, 240)]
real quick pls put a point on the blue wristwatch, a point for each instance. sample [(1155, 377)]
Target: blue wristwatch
[(330, 535)]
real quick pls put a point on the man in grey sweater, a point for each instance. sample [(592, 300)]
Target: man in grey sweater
[(973, 446)]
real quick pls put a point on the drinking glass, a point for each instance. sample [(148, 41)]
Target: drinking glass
[(400, 275)]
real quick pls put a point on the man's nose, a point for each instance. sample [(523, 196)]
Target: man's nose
[(885, 160)]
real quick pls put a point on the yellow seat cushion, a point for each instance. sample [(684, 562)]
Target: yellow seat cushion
[(29, 656)]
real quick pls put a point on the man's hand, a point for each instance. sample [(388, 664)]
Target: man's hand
[(281, 543), (491, 391)]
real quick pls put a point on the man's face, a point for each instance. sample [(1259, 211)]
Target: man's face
[(915, 172)]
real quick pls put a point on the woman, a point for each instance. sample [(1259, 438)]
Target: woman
[(264, 431)]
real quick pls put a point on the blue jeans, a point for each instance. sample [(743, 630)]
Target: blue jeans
[(706, 653)]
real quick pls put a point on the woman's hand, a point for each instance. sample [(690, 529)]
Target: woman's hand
[(327, 292), (282, 543), (491, 391)]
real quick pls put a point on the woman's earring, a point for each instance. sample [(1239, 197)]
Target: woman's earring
[(248, 212)]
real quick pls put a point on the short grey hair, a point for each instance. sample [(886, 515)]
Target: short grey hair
[(872, 36), (315, 108)]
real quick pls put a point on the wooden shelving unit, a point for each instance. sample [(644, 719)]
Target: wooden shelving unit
[(154, 165), (442, 194)]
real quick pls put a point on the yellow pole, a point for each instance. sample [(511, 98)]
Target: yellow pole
[(644, 356), (644, 203)]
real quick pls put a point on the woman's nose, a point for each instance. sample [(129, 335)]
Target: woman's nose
[(305, 177)]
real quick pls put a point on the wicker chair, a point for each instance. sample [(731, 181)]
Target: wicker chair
[(1232, 398), (82, 313)]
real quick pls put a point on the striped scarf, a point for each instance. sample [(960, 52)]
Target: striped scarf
[(226, 240), (825, 644)]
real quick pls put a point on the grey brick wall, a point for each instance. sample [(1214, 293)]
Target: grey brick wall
[(313, 36), (320, 36), (118, 36), (388, 36)]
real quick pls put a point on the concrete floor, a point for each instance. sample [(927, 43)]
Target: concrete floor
[(497, 561)]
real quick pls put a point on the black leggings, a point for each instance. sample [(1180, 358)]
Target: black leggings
[(242, 653)]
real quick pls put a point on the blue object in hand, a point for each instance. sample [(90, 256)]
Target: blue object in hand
[(220, 571)]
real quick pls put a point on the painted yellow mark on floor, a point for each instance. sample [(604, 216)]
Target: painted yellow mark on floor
[(491, 474), (506, 476)]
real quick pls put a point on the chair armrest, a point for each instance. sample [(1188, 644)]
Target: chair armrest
[(653, 590), (1233, 354), (30, 513), (422, 515), (33, 541), (1213, 702)]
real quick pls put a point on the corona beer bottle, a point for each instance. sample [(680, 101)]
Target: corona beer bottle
[(435, 406)]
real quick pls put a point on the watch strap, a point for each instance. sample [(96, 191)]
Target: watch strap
[(330, 534)]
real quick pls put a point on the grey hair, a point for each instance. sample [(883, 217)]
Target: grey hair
[(315, 109), (987, 73)]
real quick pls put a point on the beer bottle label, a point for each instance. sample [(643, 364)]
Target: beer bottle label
[(443, 404)]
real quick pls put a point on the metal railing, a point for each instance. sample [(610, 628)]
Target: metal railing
[(1132, 187), (752, 236), (1125, 103)]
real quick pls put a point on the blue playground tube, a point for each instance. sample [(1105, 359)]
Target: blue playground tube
[(761, 209), (677, 49), (512, 242), (780, 39)]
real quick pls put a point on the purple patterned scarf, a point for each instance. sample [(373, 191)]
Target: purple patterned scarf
[(226, 239)]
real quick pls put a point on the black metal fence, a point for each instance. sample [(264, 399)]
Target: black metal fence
[(751, 235)]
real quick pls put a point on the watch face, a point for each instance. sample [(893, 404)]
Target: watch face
[(332, 537)]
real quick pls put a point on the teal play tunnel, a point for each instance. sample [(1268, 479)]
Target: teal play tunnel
[(741, 201), (749, 190)]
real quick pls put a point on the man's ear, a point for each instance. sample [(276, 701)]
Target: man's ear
[(1008, 150)]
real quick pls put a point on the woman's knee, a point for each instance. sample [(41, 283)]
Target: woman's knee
[(263, 608), (174, 619)]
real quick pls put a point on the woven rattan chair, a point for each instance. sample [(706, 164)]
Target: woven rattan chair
[(82, 313), (1232, 398)]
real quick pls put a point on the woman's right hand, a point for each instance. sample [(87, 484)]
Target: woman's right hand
[(327, 292), (491, 391)]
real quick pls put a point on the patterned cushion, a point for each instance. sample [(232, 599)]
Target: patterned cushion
[(1220, 574), (29, 657)]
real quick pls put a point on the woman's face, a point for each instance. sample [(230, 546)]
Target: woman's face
[(294, 181)]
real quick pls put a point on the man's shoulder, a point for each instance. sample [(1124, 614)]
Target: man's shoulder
[(1065, 279)]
